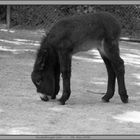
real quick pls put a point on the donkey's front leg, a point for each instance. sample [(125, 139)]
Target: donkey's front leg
[(65, 69)]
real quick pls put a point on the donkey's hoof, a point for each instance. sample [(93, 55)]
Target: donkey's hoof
[(124, 99), (61, 102), (105, 100), (53, 97)]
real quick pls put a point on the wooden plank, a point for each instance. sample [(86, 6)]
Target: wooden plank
[(8, 17)]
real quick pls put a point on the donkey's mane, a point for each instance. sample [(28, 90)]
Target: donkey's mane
[(42, 54), (43, 46), (43, 49), (46, 54)]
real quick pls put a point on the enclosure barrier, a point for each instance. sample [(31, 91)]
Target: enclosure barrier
[(44, 16)]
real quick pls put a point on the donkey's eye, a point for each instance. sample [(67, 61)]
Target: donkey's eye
[(38, 82)]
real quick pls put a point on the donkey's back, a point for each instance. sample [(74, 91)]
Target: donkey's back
[(88, 29)]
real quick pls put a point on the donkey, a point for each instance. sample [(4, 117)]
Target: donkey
[(69, 36)]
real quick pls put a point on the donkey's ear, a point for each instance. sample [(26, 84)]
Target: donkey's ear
[(43, 59), (41, 54)]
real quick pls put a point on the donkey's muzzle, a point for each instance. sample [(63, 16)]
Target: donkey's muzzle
[(43, 97)]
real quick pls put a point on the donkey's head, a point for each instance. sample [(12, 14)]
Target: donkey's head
[(46, 71)]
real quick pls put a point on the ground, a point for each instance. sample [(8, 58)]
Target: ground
[(22, 111)]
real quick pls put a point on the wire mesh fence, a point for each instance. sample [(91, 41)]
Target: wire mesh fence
[(44, 16)]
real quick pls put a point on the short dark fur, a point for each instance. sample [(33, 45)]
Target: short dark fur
[(70, 35)]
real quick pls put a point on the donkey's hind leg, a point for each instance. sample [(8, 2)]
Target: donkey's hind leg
[(111, 79), (111, 48)]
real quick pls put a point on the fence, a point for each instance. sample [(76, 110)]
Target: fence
[(44, 16)]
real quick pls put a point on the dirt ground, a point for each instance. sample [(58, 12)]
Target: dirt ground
[(22, 111)]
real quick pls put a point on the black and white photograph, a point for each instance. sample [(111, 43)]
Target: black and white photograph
[(70, 70)]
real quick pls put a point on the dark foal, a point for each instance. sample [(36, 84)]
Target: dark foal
[(71, 35)]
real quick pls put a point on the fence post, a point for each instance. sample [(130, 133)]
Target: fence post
[(8, 17)]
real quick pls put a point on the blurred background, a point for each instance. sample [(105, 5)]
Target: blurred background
[(44, 16)]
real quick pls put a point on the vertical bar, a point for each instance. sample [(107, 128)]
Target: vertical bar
[(8, 17)]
